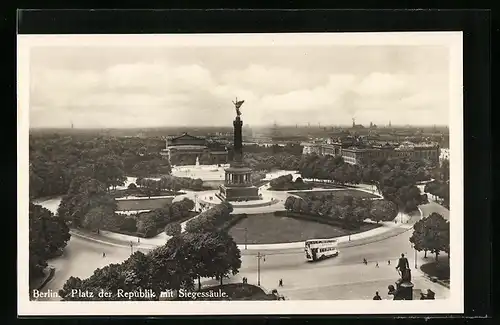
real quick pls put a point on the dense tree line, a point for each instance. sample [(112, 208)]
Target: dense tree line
[(176, 265), (269, 161), (48, 235), (347, 210), (431, 234), (211, 219), (169, 182), (55, 160), (286, 183), (87, 204), (441, 190), (395, 179), (148, 223)]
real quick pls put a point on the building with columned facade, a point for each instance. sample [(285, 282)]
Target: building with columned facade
[(184, 149)]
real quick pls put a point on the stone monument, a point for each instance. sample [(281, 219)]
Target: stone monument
[(238, 180), (404, 286)]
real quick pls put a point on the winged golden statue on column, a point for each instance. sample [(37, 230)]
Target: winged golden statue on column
[(237, 104)]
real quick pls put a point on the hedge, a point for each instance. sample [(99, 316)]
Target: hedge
[(314, 218)]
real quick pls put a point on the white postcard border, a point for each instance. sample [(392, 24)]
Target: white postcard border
[(452, 305)]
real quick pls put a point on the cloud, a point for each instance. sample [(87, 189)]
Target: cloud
[(162, 92)]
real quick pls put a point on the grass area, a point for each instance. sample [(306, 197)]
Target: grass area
[(236, 291), (143, 204), (139, 193), (270, 229), (440, 270), (339, 193)]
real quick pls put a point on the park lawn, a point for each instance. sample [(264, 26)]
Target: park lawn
[(336, 193), (143, 204), (270, 229), (440, 270), (138, 193)]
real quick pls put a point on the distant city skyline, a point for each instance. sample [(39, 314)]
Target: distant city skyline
[(141, 87)]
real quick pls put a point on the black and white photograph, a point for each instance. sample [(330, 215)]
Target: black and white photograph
[(205, 174)]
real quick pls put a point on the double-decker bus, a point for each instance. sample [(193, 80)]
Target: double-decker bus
[(318, 249)]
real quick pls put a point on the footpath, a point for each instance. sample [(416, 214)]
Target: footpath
[(401, 224)]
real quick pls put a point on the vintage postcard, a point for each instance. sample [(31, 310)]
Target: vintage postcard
[(240, 174)]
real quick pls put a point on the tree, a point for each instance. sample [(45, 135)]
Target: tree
[(187, 204), (129, 224), (173, 229), (35, 184), (90, 194), (383, 210), (94, 219), (289, 203), (297, 204), (109, 171), (171, 266), (431, 234), (217, 255), (146, 225), (48, 235)]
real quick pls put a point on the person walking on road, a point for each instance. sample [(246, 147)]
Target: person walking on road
[(365, 262), (377, 296), (376, 264), (388, 262), (280, 283), (103, 254)]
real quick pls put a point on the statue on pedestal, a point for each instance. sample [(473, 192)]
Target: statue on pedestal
[(237, 104), (404, 287)]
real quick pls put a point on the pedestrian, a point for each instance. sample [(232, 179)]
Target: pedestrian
[(365, 262), (376, 264), (377, 296), (280, 283), (103, 254)]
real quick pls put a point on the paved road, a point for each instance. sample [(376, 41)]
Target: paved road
[(342, 277)]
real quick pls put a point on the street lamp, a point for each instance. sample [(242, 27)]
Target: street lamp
[(415, 258), (246, 237), (259, 256)]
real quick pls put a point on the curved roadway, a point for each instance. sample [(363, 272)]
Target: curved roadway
[(342, 277)]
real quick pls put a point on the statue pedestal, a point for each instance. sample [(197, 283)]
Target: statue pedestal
[(238, 184), (404, 291)]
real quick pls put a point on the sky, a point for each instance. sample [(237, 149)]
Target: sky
[(109, 86)]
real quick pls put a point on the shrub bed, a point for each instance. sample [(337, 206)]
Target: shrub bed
[(315, 218), (211, 219), (286, 183), (150, 224)]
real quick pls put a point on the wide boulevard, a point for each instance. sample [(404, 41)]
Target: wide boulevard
[(341, 277)]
